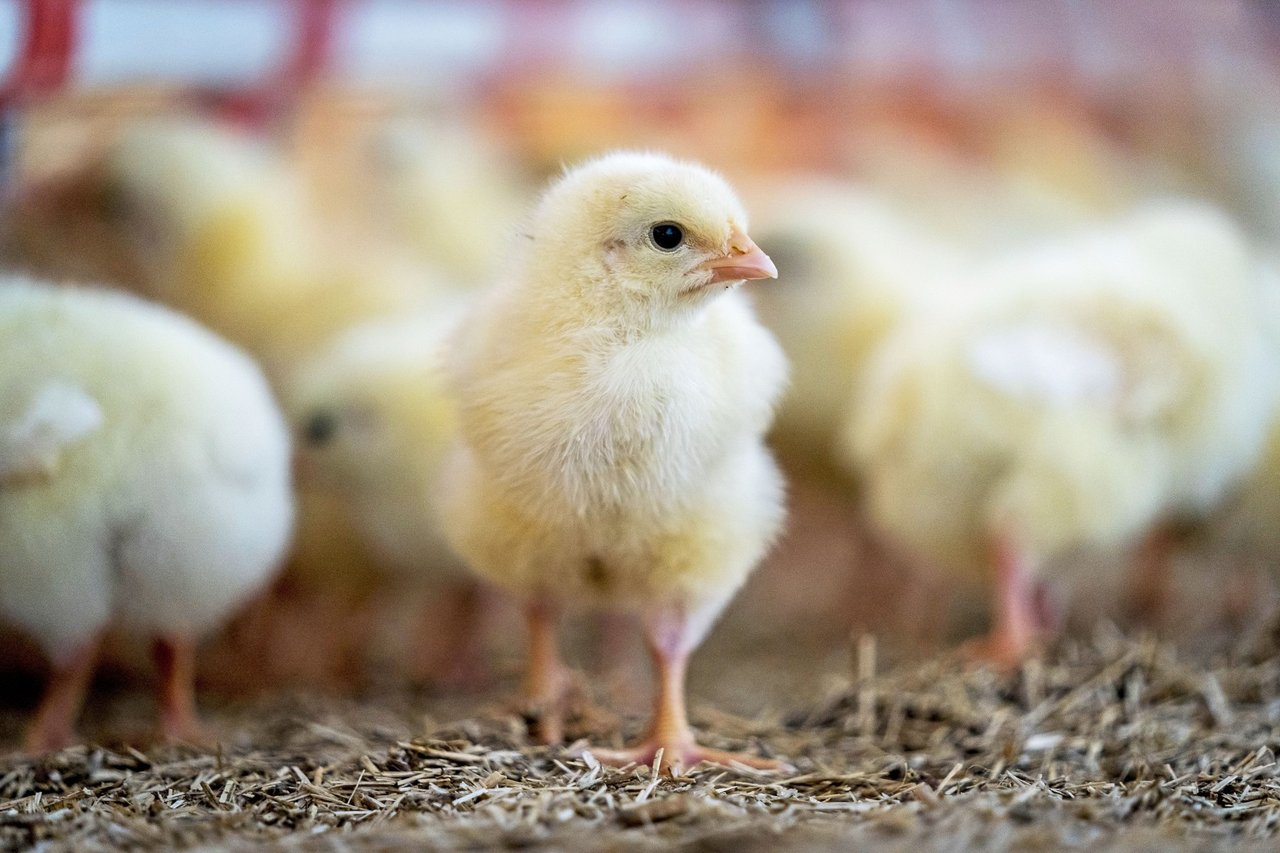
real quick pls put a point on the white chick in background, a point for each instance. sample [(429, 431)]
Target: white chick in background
[(853, 270), (446, 189), (213, 223), (1247, 523), (1097, 384), (373, 421), (613, 397), (144, 483)]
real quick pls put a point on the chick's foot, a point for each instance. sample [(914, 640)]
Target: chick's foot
[(53, 726), (1002, 650), (680, 753), (1018, 621)]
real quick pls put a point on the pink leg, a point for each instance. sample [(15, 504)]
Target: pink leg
[(449, 647), (53, 725), (546, 680), (1152, 578), (175, 659), (1016, 626), (672, 636)]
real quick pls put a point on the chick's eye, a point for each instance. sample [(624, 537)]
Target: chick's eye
[(667, 236), (320, 428)]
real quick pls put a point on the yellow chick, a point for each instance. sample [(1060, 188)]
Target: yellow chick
[(144, 483), (446, 190), (373, 421), (853, 269), (1248, 522), (1095, 384), (613, 397), (207, 221)]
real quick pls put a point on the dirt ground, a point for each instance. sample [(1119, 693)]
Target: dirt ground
[(1111, 740)]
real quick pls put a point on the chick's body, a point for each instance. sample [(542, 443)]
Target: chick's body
[(854, 269), (1097, 384), (375, 423), (164, 515), (612, 403), (616, 469)]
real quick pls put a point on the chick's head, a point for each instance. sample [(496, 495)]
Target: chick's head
[(643, 233), (371, 414)]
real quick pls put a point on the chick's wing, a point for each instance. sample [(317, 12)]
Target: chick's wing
[(58, 415)]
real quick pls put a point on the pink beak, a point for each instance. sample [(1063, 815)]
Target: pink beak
[(744, 262)]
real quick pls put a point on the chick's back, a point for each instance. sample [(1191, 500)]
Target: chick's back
[(173, 510)]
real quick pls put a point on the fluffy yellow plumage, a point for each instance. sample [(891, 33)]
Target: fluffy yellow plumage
[(612, 401), (1089, 386), (144, 483), (211, 223)]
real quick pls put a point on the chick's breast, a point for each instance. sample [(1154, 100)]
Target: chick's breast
[(622, 467)]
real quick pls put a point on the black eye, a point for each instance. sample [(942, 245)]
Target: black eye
[(667, 236), (320, 428)]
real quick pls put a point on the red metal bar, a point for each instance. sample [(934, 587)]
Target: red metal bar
[(314, 23), (307, 59), (45, 60)]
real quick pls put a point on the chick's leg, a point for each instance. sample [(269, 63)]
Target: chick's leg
[(1016, 624), (175, 659), (53, 725), (1151, 579), (672, 636), (546, 679), (449, 643)]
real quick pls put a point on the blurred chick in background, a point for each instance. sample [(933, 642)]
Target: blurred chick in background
[(1094, 385), (853, 269), (446, 190), (1246, 524), (144, 482), (208, 221), (864, 257), (374, 421), (613, 398)]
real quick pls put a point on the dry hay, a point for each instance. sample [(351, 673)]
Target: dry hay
[(1111, 743)]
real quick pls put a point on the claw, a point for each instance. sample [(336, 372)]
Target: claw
[(681, 755)]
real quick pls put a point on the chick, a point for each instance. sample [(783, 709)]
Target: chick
[(1096, 384), (445, 190), (144, 482), (1246, 524), (613, 395), (854, 269), (373, 422), (209, 222)]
